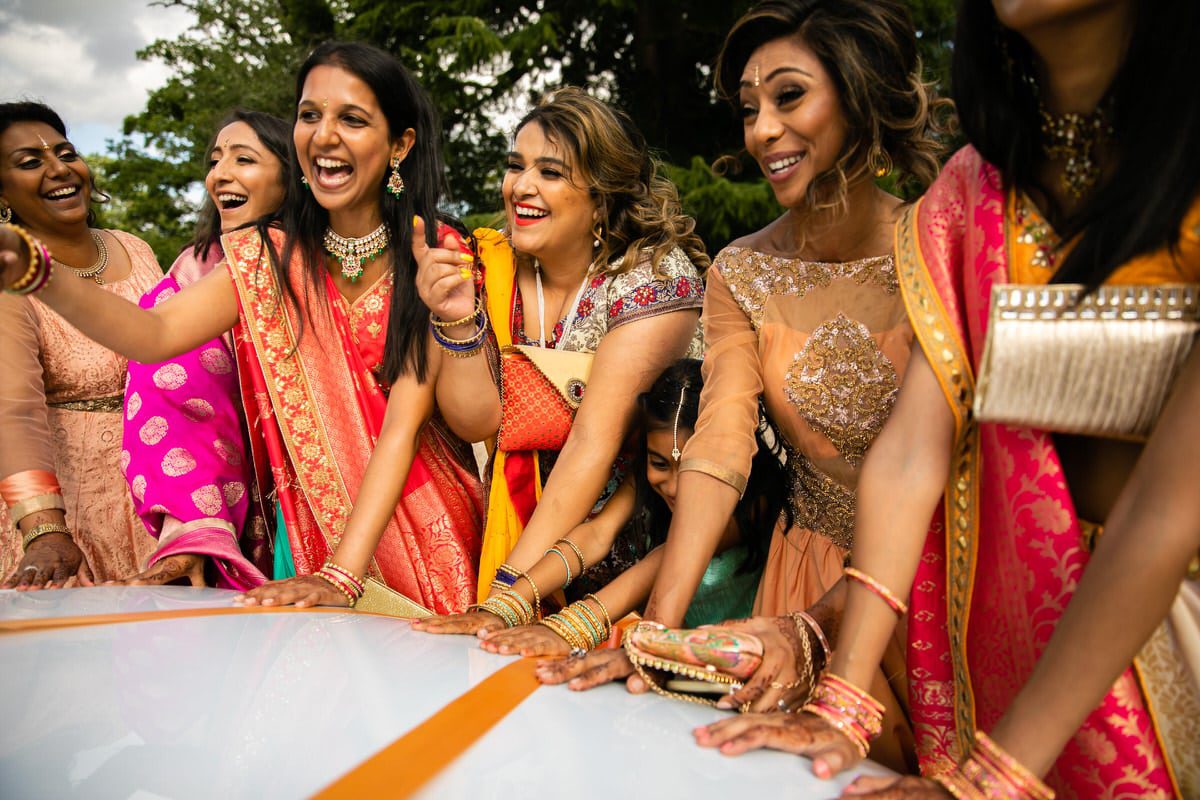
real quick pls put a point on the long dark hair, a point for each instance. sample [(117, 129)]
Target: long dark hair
[(677, 393), (1156, 128), (275, 135), (405, 105), (32, 111)]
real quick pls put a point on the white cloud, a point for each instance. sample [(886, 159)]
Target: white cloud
[(81, 58)]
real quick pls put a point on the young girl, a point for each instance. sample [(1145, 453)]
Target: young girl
[(637, 519)]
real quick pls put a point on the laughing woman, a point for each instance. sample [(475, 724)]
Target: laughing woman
[(208, 520), (60, 394), (326, 321)]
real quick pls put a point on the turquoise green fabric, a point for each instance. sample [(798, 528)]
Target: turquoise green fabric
[(724, 593), (284, 566)]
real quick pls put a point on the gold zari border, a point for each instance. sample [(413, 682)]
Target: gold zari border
[(947, 355)]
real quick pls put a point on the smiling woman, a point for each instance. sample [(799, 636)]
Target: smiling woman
[(331, 351), (60, 394)]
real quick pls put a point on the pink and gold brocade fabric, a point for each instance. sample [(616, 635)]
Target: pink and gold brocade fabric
[(319, 411), (45, 361), (1005, 553)]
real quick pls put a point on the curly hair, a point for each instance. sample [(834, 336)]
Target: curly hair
[(640, 212), (869, 50)]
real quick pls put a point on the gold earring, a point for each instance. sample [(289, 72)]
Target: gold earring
[(597, 233), (5, 213), (878, 161), (395, 184)]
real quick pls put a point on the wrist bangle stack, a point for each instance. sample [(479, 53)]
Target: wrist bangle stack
[(461, 348), (580, 626), (992, 774), (857, 715), (42, 530), (878, 589), (38, 274), (343, 580), (510, 606)]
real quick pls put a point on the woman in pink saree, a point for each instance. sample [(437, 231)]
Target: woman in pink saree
[(1030, 657), (212, 514), (328, 334)]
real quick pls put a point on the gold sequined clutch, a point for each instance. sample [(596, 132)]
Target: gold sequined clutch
[(379, 598), (1100, 364)]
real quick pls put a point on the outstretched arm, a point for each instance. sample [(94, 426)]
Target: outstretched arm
[(201, 312), (410, 406)]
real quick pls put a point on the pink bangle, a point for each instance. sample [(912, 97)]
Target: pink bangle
[(878, 589)]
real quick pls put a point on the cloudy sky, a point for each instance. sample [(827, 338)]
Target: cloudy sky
[(80, 57)]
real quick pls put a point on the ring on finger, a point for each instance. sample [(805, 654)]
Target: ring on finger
[(786, 687), (32, 568)]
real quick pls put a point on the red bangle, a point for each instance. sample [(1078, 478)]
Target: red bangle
[(878, 589)]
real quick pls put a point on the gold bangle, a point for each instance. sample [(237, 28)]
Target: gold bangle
[(35, 262), (799, 617), (42, 502), (42, 530), (437, 322), (336, 584), (537, 596), (566, 563), (578, 553), (599, 602)]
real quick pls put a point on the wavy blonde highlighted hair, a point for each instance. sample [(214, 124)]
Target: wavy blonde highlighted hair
[(606, 154), (869, 50)]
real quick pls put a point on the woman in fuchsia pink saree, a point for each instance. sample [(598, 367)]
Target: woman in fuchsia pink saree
[(1031, 658)]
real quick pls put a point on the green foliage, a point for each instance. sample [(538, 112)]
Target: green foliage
[(483, 62)]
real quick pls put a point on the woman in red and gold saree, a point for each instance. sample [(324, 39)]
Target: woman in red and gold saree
[(1015, 628), (370, 157)]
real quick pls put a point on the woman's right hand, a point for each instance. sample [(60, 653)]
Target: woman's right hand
[(594, 669), (181, 566), (776, 684), (445, 276), (803, 734), (50, 561), (302, 591), (14, 260), (471, 622)]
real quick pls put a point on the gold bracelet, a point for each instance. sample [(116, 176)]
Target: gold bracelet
[(42, 502), (329, 578), (35, 262), (578, 553), (603, 609), (437, 322), (42, 530), (537, 596), (566, 563)]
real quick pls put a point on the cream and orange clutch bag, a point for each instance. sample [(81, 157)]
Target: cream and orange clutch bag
[(1098, 364), (541, 389)]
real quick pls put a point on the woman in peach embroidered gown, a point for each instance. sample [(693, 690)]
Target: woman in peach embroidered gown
[(60, 393)]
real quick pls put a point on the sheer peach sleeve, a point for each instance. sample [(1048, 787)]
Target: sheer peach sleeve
[(723, 444), (24, 427)]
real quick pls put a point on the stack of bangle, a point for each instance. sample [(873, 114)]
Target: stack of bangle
[(992, 774), (38, 274), (878, 589), (849, 709), (510, 606), (343, 580), (804, 622), (507, 576), (461, 348), (42, 530), (575, 549), (580, 626)]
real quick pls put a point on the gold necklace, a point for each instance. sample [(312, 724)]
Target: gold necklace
[(1072, 137), (98, 266), (353, 254)]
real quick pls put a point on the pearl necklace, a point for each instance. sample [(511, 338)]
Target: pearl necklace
[(98, 266), (353, 254)]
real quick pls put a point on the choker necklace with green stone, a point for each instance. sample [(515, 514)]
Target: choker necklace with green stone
[(353, 254)]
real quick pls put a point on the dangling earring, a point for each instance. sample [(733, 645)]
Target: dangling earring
[(5, 213), (597, 232), (395, 184), (675, 451), (304, 181), (878, 161)]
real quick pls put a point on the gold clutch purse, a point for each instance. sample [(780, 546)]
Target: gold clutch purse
[(1100, 364), (379, 598)]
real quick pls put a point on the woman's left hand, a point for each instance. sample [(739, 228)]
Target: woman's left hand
[(302, 592), (803, 734), (526, 640), (776, 684), (908, 787)]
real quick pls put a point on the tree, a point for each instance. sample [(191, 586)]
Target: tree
[(483, 62)]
